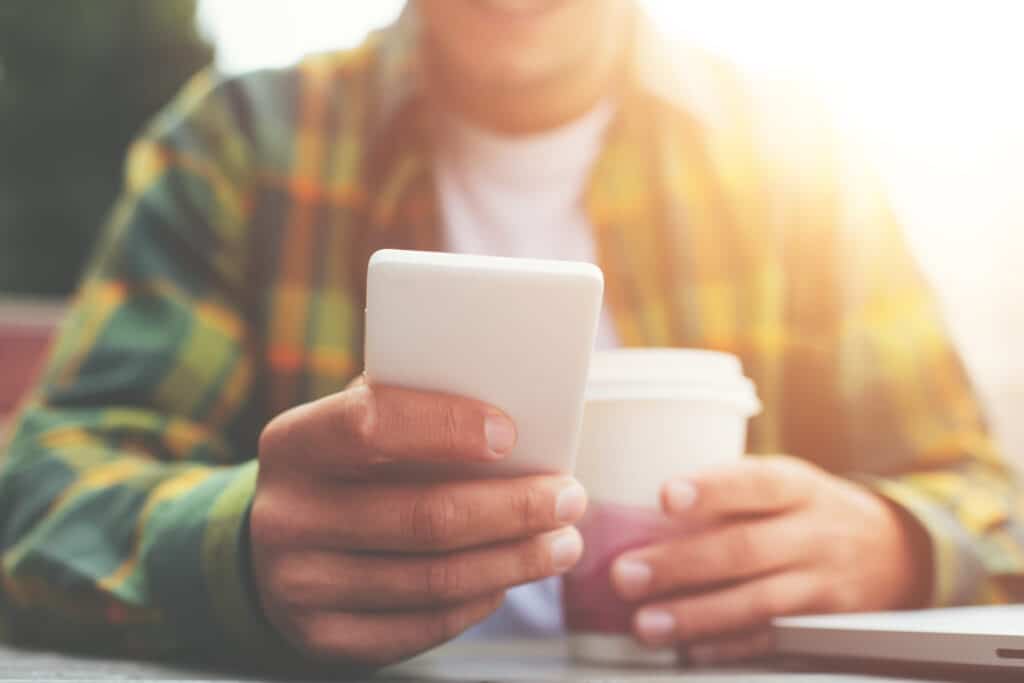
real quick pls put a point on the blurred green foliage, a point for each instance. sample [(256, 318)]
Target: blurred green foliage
[(78, 79)]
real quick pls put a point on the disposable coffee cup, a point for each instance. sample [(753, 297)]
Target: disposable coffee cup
[(650, 415)]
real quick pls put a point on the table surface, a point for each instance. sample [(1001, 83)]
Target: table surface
[(492, 661)]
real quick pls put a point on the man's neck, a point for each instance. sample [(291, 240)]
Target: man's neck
[(531, 108)]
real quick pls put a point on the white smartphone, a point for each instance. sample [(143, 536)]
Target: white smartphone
[(515, 333)]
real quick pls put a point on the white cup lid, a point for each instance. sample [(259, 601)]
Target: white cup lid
[(667, 373)]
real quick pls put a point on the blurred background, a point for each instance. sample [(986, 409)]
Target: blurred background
[(931, 89)]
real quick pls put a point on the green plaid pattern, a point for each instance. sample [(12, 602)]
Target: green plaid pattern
[(230, 287)]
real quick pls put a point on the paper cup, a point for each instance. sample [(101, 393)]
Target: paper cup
[(650, 415)]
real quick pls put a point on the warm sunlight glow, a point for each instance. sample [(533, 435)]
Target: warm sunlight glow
[(931, 87), (933, 90)]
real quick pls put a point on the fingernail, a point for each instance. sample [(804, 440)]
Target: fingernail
[(571, 503), (632, 577), (655, 625), (702, 655), (565, 548), (500, 434), (680, 495)]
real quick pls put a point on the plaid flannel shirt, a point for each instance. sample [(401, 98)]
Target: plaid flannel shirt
[(726, 213)]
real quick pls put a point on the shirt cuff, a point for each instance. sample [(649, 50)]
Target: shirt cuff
[(228, 574), (957, 573)]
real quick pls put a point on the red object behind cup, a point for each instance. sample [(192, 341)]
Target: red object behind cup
[(597, 619), (589, 599)]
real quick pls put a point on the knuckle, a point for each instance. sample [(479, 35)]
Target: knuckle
[(769, 481), (740, 547), (788, 463), (268, 528), (359, 417), (459, 427), (275, 438), (289, 583), (451, 426), (784, 468), (444, 580), (528, 505), (770, 461), (434, 519)]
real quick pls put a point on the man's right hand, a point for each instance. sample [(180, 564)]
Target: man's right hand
[(355, 565)]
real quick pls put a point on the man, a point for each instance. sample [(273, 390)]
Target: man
[(198, 471)]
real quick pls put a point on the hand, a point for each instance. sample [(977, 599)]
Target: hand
[(356, 564), (779, 537)]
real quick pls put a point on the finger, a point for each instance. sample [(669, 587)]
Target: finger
[(720, 554), (367, 428), (743, 607), (732, 648), (377, 639), (420, 517), (379, 582), (434, 426), (756, 485)]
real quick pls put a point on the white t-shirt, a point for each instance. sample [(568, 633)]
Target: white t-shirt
[(523, 197)]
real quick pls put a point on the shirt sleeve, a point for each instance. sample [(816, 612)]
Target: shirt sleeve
[(127, 482), (874, 386), (915, 415)]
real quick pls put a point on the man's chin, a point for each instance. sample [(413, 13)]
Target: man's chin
[(522, 78), (519, 10), (522, 74)]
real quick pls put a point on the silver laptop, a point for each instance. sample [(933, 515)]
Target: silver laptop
[(959, 636)]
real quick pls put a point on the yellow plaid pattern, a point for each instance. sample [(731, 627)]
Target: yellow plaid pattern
[(727, 215)]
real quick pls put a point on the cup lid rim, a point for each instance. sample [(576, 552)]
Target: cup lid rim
[(636, 373)]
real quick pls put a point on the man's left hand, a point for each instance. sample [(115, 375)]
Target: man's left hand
[(778, 536)]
